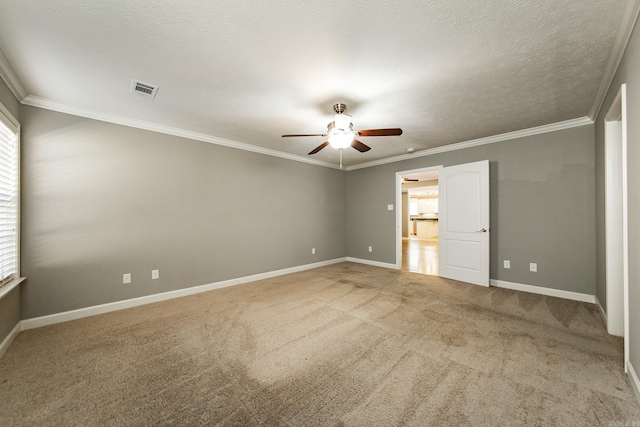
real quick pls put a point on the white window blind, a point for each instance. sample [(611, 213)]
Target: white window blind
[(8, 201)]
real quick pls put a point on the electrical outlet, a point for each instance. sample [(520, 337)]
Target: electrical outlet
[(370, 249), (126, 278), (155, 274), (533, 267), (389, 207), (313, 251), (507, 263)]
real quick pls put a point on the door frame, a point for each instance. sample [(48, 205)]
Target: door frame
[(617, 247), (399, 212)]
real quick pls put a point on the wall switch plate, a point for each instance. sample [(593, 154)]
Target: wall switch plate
[(533, 267), (507, 263), (155, 274), (370, 249), (313, 251), (126, 278), (389, 207)]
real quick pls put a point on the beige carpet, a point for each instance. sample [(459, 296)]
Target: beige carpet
[(346, 344)]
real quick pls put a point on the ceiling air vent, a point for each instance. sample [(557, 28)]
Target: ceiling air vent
[(143, 89)]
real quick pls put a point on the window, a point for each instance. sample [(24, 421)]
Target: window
[(9, 197), (413, 206)]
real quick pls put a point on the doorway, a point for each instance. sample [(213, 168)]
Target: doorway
[(462, 219), (419, 219), (616, 243)]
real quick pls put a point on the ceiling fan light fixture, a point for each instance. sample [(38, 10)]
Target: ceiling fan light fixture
[(342, 122), (341, 139)]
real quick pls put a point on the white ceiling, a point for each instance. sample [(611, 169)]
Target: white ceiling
[(444, 71)]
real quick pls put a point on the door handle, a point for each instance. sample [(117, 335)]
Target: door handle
[(484, 230)]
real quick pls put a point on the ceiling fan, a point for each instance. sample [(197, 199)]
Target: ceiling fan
[(341, 135)]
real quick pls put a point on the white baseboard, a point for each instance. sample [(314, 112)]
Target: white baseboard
[(51, 319), (4, 346), (373, 263), (603, 313), (544, 291), (633, 379)]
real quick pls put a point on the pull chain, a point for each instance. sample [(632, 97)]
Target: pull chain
[(341, 158)]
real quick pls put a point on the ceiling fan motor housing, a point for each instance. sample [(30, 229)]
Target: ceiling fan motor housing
[(332, 128), (340, 108), (341, 121)]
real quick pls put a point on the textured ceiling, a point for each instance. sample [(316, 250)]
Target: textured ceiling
[(248, 71)]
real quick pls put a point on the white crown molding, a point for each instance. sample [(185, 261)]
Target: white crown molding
[(11, 79), (628, 19), (35, 101), (567, 124)]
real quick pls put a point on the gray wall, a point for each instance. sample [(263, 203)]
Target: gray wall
[(10, 304), (8, 100), (629, 73), (100, 200), (9, 312), (542, 207)]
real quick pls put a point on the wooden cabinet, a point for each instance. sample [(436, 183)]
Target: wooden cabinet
[(427, 205), (427, 228)]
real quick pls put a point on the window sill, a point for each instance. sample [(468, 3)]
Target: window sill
[(5, 289)]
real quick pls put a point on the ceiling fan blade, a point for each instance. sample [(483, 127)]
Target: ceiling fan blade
[(305, 134), (381, 132), (360, 146), (319, 147)]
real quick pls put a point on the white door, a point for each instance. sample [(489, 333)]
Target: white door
[(464, 222)]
